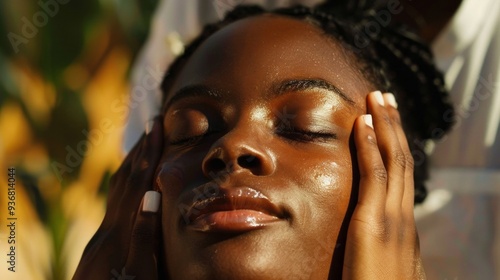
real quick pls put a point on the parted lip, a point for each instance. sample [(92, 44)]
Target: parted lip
[(228, 209)]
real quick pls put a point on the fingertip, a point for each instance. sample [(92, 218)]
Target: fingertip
[(368, 120), (378, 97), (151, 202), (365, 131), (148, 126), (391, 100)]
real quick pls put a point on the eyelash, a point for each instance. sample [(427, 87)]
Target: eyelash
[(191, 140), (305, 136), (297, 135)]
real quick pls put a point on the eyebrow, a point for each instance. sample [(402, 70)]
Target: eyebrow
[(194, 91), (309, 84), (283, 87)]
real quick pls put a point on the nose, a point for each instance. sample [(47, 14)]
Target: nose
[(238, 152)]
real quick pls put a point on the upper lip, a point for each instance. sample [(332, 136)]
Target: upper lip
[(199, 202)]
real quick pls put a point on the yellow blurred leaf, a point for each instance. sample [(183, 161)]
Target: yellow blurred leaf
[(15, 131)]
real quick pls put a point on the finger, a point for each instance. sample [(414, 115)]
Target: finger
[(117, 184), (126, 165), (404, 195), (397, 189), (118, 181), (143, 251), (146, 162), (141, 177), (390, 148), (373, 176), (145, 141), (151, 141)]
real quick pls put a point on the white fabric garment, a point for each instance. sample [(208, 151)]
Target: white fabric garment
[(458, 224)]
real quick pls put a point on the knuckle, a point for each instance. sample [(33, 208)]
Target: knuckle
[(410, 162), (400, 159), (387, 119), (381, 231), (390, 227), (406, 232), (394, 229), (380, 174), (143, 164), (395, 117)]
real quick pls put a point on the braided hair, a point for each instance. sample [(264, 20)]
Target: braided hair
[(392, 58)]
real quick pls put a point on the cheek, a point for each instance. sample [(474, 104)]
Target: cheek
[(323, 192), (178, 169), (176, 172), (170, 179), (330, 177), (333, 181), (328, 192)]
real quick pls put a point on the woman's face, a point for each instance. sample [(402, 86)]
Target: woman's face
[(257, 168)]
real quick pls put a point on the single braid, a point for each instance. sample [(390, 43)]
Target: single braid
[(394, 60)]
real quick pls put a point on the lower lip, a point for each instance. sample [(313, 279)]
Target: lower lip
[(232, 221)]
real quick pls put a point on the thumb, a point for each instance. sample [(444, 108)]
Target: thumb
[(143, 253)]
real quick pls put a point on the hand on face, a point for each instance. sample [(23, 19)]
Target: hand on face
[(304, 167), (382, 240), (126, 244)]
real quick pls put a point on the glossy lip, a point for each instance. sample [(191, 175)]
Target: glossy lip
[(230, 210)]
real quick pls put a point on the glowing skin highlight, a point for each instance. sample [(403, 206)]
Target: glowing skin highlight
[(259, 123)]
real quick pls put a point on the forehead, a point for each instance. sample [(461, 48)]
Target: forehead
[(254, 53)]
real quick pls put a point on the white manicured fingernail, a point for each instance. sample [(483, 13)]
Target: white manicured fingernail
[(149, 126), (391, 100), (151, 201), (368, 120), (379, 97)]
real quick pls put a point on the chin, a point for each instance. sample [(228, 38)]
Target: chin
[(268, 253)]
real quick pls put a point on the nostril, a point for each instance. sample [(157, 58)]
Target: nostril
[(248, 161), (216, 165)]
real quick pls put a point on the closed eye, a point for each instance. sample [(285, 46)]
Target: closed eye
[(191, 140), (305, 136)]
